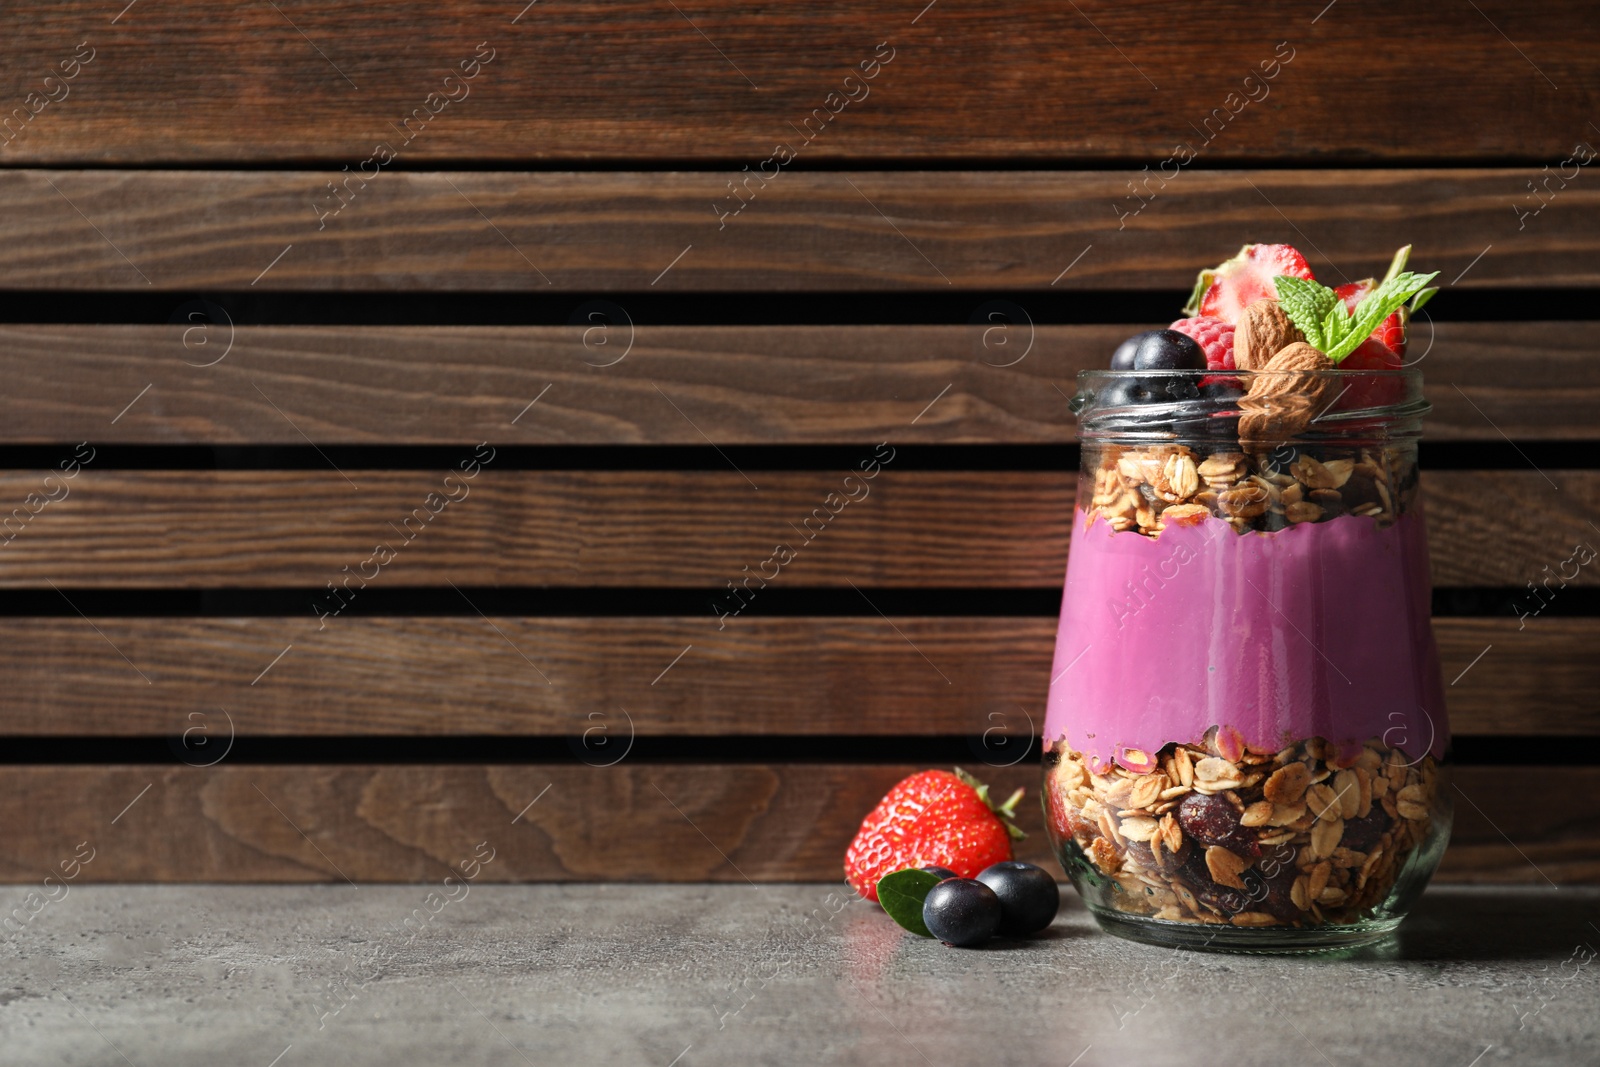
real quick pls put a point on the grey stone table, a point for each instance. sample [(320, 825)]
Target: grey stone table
[(278, 976)]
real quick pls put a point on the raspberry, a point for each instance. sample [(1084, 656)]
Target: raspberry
[(1214, 336)]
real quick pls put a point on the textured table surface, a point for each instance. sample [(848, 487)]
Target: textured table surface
[(687, 975)]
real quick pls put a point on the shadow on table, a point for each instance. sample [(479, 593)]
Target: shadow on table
[(1037, 942), (1498, 924)]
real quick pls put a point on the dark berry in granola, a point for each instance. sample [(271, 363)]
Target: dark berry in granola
[(1211, 820), (1269, 892), (1224, 899), (1361, 834)]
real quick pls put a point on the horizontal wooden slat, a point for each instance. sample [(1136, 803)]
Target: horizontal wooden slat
[(591, 232), (630, 822), (198, 529), (857, 676), (734, 384), (721, 79)]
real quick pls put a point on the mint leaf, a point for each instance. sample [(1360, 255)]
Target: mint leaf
[(1422, 297), (1307, 304), (902, 892), (1376, 306), (1336, 323)]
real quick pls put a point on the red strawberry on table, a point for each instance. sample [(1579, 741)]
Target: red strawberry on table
[(1227, 289), (932, 817)]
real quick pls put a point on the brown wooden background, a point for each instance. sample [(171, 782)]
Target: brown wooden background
[(267, 385)]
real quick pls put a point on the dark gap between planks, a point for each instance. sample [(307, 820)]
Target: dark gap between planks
[(623, 602), (1492, 455), (895, 307), (969, 751)]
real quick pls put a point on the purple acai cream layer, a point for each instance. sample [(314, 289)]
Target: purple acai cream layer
[(1317, 630)]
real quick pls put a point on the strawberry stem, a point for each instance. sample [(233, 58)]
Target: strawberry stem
[(1006, 811), (1009, 808)]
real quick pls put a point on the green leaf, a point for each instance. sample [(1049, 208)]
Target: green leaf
[(1376, 306), (1336, 323), (1307, 304), (902, 892), (1422, 297)]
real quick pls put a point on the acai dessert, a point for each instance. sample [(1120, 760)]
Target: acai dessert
[(1246, 731)]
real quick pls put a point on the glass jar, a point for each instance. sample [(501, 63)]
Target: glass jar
[(1246, 742)]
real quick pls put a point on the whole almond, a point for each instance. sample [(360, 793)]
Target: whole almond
[(1264, 330), (1284, 397)]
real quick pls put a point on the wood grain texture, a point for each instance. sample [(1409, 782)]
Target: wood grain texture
[(199, 529), (608, 679), (630, 822), (550, 232), (725, 79), (617, 384)]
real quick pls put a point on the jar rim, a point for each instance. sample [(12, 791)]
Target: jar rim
[(1335, 373), (1391, 407)]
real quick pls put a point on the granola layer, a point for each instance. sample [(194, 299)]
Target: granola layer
[(1146, 489), (1306, 836)]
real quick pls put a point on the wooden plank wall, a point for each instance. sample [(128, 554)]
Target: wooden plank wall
[(269, 274)]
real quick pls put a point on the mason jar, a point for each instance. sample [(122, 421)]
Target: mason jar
[(1246, 743)]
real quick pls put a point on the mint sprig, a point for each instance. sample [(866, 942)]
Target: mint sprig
[(1378, 305), (1307, 304), (1324, 320)]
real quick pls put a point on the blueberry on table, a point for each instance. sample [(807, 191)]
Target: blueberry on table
[(942, 872), (1168, 350), (1028, 896), (962, 912)]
